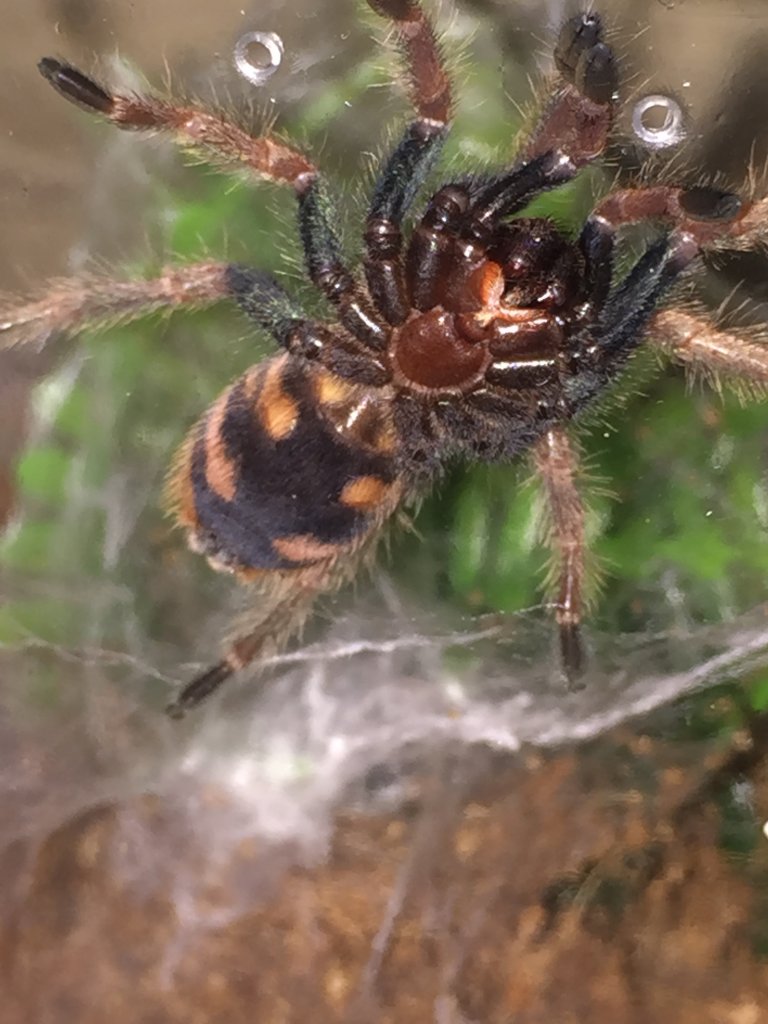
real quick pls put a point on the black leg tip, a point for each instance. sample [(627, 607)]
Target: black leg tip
[(584, 60), (706, 203), (577, 35), (48, 67), (572, 655), (74, 86), (196, 691), (597, 76), (175, 710)]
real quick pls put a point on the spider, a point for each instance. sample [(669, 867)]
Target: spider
[(473, 332)]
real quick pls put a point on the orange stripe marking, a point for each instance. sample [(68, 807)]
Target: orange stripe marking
[(331, 389), (220, 470), (304, 548), (278, 412), (179, 492), (364, 492)]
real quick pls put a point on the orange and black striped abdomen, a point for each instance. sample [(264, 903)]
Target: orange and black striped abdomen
[(291, 466)]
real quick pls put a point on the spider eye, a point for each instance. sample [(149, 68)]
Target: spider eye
[(705, 203)]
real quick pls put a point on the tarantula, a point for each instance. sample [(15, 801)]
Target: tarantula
[(477, 333)]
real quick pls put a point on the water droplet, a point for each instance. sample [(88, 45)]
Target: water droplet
[(257, 55), (658, 121)]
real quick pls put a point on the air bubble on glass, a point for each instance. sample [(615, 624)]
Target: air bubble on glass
[(257, 55), (658, 121)]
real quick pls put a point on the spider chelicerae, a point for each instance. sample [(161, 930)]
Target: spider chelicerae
[(473, 332)]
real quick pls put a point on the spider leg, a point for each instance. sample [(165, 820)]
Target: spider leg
[(190, 125), (79, 303), (263, 299), (556, 462), (409, 164), (700, 217), (608, 342), (282, 612), (225, 142), (323, 258), (285, 602), (597, 243), (630, 306), (429, 83), (576, 121), (399, 181), (506, 194), (698, 343), (74, 304), (431, 249), (708, 216)]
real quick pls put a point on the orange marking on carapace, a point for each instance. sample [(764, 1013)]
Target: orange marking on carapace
[(364, 492), (304, 548), (278, 412), (220, 470)]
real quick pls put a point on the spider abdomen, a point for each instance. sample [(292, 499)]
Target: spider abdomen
[(291, 466)]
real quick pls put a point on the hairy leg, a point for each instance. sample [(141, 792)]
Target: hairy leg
[(285, 602), (219, 138), (700, 344), (283, 609), (405, 170), (327, 271), (701, 218), (556, 463), (709, 217), (429, 84), (78, 303), (263, 299), (597, 242), (577, 119), (224, 142)]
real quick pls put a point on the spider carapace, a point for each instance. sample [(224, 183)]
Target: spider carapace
[(471, 332)]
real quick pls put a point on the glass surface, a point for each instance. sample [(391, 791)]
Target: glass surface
[(406, 816)]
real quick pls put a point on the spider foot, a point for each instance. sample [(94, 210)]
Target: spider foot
[(75, 86), (196, 691), (572, 655), (705, 202), (584, 60)]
